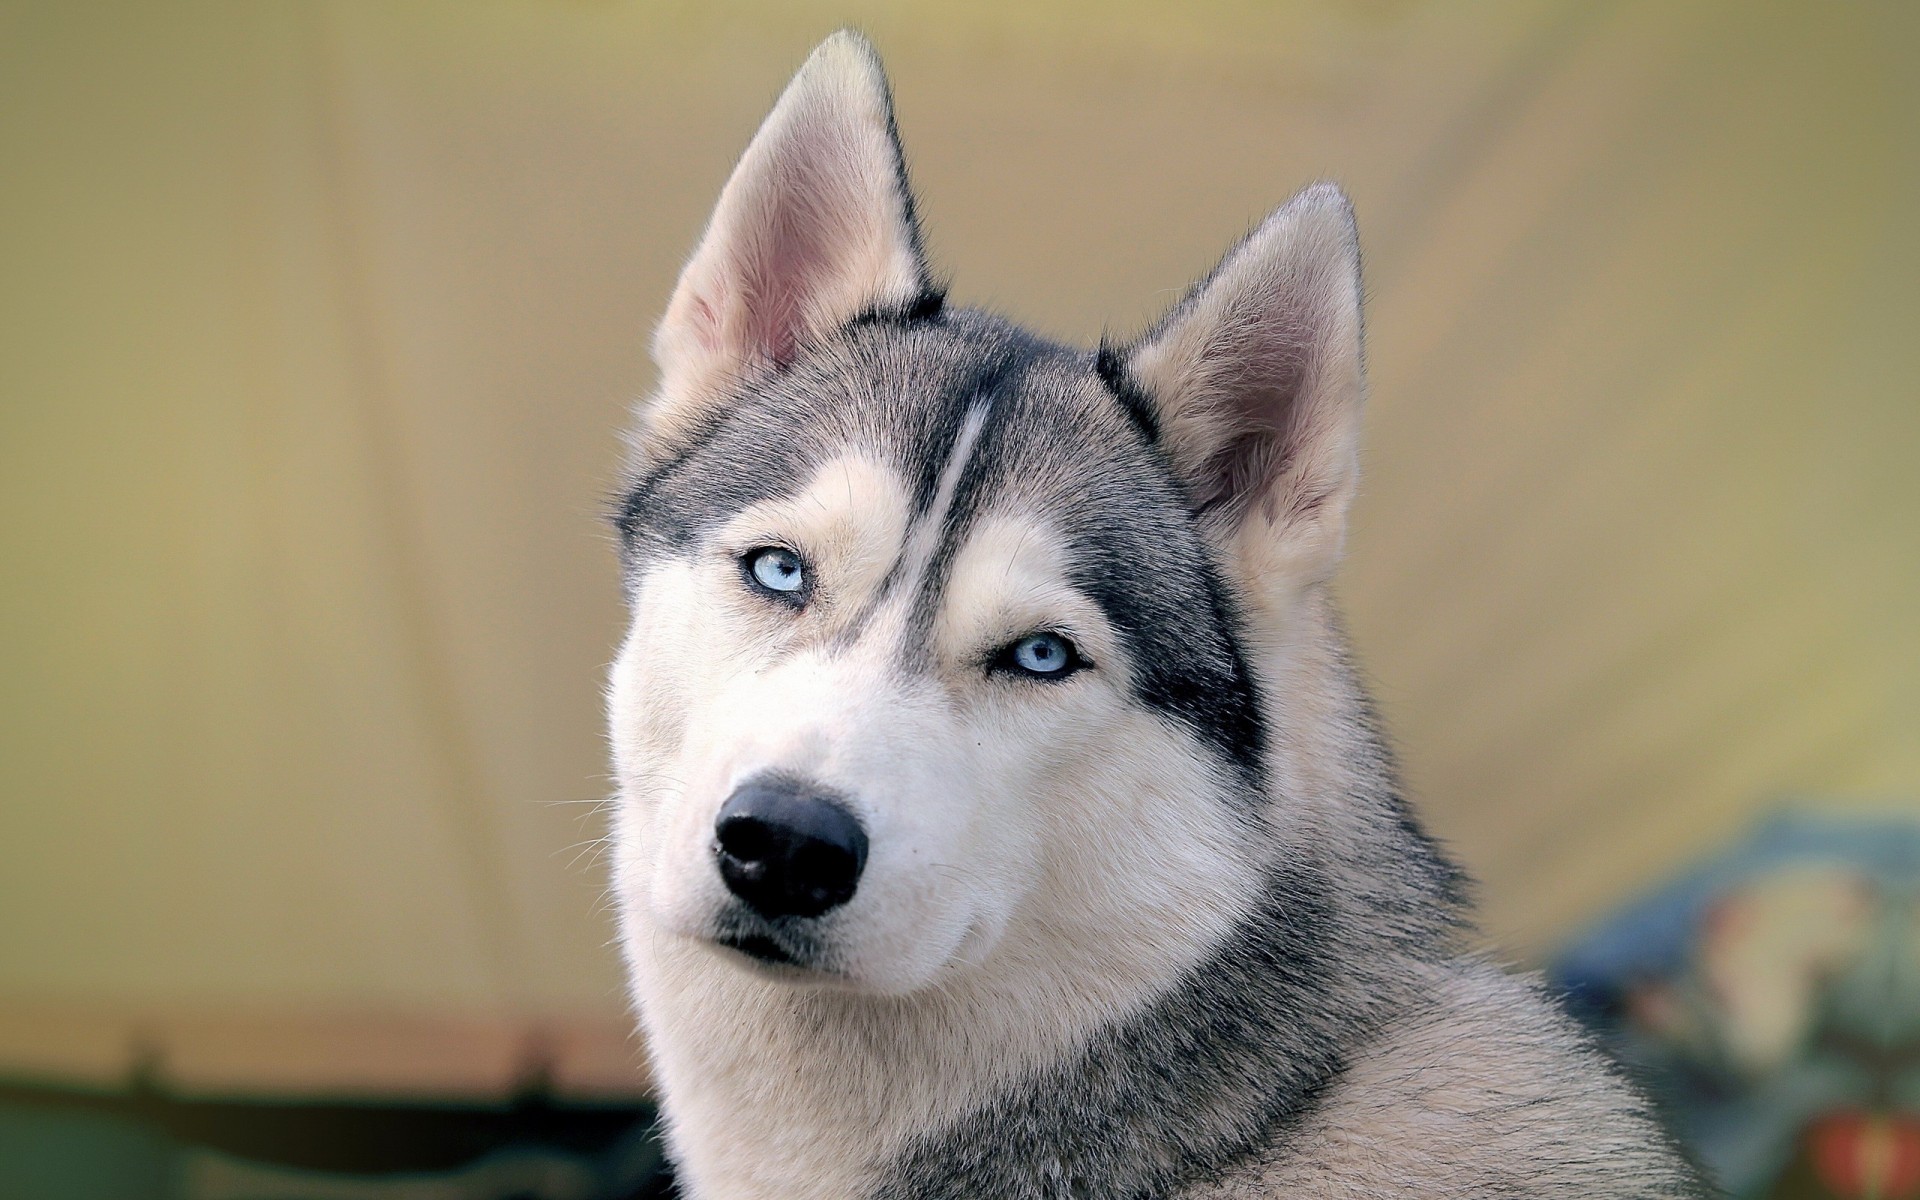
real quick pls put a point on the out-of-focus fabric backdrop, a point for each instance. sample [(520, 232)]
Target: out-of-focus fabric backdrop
[(319, 323)]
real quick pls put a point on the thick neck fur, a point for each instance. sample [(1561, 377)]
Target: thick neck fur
[(1111, 1061)]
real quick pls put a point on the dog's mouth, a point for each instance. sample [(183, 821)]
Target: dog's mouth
[(786, 952), (759, 947)]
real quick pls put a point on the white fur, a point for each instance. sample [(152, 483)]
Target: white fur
[(980, 942)]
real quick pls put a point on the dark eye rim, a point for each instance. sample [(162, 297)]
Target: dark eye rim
[(1003, 661), (798, 597)]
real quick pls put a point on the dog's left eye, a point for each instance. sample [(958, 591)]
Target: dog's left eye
[(1040, 656), (777, 571)]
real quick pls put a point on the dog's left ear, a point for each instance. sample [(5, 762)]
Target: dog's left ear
[(814, 227), (1255, 382)]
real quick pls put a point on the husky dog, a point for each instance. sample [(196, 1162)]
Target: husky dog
[(999, 814)]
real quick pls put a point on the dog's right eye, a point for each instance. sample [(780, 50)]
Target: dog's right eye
[(776, 571)]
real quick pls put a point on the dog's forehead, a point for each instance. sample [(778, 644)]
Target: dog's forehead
[(899, 393), (1014, 427), (1040, 414)]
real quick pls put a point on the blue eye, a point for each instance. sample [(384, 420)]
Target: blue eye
[(778, 570), (1042, 656)]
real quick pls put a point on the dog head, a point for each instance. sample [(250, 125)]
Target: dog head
[(933, 620)]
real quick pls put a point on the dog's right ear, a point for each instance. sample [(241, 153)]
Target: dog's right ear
[(814, 228)]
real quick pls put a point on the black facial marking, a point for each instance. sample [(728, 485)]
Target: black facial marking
[(927, 462), (993, 388), (1135, 551), (1184, 637)]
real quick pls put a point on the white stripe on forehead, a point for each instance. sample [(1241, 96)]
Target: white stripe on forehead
[(923, 540)]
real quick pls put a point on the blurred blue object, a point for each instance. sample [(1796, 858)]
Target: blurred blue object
[(1771, 997)]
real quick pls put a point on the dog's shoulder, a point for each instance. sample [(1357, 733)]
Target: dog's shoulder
[(1486, 1090)]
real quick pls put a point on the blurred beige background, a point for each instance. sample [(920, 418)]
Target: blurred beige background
[(319, 322)]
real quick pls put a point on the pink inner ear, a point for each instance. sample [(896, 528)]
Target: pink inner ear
[(791, 263), (813, 226), (754, 307), (1260, 399), (706, 322)]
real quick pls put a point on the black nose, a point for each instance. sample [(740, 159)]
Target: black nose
[(787, 849)]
